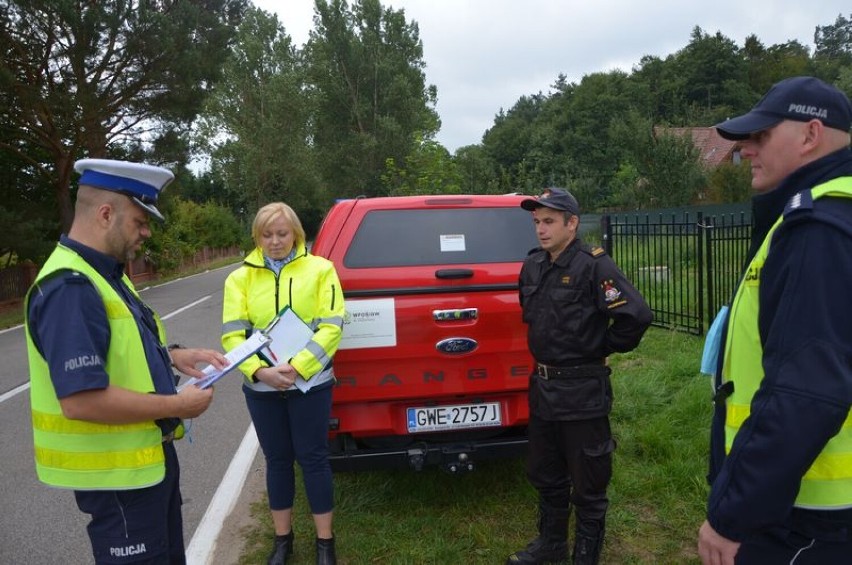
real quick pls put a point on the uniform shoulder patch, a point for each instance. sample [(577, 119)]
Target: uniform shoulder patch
[(593, 250), (612, 294), (75, 277)]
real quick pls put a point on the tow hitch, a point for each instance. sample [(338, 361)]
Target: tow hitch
[(462, 464)]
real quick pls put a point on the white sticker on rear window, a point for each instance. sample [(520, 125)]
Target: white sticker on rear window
[(369, 323), (452, 242)]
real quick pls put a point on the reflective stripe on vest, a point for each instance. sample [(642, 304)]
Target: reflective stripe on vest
[(88, 455), (828, 482)]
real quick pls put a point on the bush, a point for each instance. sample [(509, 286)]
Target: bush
[(189, 228)]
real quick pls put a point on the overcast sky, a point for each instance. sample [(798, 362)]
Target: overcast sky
[(483, 55)]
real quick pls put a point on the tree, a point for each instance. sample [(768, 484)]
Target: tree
[(256, 125), (19, 199), (768, 66), (373, 104), (507, 143), (79, 77), (713, 77), (429, 170), (730, 183), (476, 170), (833, 50), (591, 155), (192, 226), (661, 169)]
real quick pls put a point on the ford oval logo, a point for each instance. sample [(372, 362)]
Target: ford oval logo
[(456, 345)]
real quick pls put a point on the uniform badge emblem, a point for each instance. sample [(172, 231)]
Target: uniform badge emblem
[(611, 292)]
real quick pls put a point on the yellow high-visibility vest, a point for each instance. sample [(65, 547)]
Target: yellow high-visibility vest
[(828, 482), (87, 455)]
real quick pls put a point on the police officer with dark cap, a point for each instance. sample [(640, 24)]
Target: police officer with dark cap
[(579, 308), (105, 410), (781, 438)]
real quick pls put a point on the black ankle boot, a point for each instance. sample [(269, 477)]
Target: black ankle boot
[(538, 552), (587, 549), (325, 552), (551, 545), (282, 550)]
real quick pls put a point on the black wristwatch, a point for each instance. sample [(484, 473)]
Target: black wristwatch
[(171, 347)]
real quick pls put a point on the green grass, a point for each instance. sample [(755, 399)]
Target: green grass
[(657, 496)]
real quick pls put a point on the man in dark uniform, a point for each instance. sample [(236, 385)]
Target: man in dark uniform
[(580, 308), (104, 405)]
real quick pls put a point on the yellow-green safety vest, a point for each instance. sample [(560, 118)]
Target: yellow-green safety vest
[(828, 482), (86, 455)]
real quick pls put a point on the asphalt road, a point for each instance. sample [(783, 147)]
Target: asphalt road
[(39, 524)]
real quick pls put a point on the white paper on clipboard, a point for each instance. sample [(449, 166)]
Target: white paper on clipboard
[(288, 335), (235, 356)]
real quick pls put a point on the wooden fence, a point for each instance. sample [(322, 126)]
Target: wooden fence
[(15, 280)]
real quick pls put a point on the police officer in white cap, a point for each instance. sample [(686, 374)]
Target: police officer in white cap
[(105, 410)]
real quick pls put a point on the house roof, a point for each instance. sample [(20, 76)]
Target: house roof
[(713, 148)]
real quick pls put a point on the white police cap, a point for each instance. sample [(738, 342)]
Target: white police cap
[(141, 182)]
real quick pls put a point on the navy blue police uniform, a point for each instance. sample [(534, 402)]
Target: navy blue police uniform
[(751, 500), (68, 320)]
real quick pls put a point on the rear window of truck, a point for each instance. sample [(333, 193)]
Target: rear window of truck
[(441, 236)]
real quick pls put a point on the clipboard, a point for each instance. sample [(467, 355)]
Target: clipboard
[(288, 335)]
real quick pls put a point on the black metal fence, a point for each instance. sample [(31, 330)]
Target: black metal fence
[(686, 265)]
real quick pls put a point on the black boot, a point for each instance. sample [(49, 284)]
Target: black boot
[(551, 545), (283, 549), (325, 552), (587, 549)]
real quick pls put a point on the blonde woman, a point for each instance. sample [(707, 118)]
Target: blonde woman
[(291, 426)]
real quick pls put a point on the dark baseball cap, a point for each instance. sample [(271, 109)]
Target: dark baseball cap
[(801, 99), (556, 198)]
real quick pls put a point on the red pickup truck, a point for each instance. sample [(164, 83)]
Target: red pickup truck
[(433, 365)]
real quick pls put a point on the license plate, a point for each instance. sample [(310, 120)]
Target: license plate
[(441, 418)]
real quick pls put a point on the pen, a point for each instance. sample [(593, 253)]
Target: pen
[(274, 357)]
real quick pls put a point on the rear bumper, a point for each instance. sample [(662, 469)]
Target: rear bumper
[(454, 457)]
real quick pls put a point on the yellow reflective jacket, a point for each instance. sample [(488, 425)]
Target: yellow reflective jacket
[(87, 455), (309, 286), (828, 482)]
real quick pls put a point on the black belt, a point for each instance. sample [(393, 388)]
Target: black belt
[(549, 372)]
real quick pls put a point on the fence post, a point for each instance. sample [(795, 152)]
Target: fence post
[(709, 236), (699, 240), (606, 234)]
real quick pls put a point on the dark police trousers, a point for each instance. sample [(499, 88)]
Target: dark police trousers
[(140, 526), (570, 462)]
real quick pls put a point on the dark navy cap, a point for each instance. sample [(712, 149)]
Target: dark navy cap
[(142, 183), (801, 99), (556, 198)]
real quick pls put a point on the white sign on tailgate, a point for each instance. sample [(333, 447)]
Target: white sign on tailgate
[(369, 323)]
